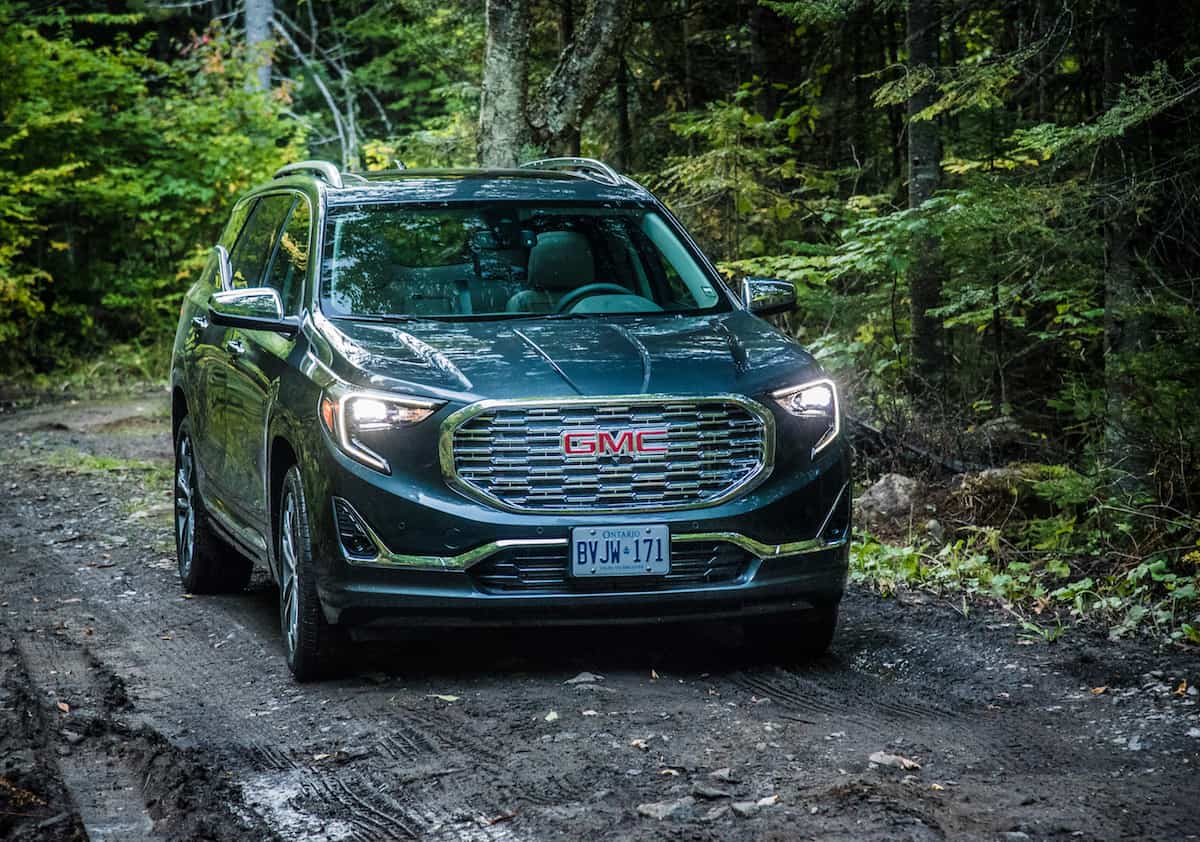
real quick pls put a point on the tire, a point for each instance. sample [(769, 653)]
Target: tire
[(307, 638), (792, 637), (206, 563)]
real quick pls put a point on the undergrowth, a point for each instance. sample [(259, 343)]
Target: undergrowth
[(1053, 547), (117, 371)]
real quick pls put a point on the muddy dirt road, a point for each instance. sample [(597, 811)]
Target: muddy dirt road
[(130, 710)]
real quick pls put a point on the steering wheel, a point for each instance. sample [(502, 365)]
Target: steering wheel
[(576, 295)]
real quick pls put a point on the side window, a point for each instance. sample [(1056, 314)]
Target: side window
[(236, 220), (249, 257), (289, 264)]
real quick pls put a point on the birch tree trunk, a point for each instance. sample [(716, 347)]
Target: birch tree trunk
[(258, 39)]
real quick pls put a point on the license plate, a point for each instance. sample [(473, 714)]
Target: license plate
[(620, 551)]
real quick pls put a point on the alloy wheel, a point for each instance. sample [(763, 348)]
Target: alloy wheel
[(289, 609), (185, 505)]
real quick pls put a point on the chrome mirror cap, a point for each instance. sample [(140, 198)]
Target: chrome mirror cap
[(254, 302), (766, 296)]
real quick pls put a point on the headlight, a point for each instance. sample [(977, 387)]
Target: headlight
[(817, 402), (348, 414)]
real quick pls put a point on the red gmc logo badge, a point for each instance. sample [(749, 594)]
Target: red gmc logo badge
[(640, 441)]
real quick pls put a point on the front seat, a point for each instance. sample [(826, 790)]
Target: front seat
[(559, 262)]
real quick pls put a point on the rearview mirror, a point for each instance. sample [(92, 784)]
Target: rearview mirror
[(767, 296), (256, 308), (224, 269)]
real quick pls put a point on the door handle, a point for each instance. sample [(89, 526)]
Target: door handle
[(199, 322), (235, 347)]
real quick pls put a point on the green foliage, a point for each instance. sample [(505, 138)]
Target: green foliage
[(1064, 548), (117, 171)]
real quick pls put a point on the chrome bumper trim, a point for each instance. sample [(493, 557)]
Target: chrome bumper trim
[(465, 560)]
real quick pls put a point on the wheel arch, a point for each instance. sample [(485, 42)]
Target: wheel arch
[(179, 410)]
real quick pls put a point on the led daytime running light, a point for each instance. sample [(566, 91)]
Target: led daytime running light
[(785, 397)]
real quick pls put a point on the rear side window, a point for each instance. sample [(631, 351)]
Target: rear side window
[(249, 257), (289, 264)]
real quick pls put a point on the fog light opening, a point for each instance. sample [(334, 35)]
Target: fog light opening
[(353, 531)]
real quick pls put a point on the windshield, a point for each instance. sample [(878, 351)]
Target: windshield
[(508, 261)]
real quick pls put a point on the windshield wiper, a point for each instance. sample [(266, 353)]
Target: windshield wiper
[(385, 318), (555, 315)]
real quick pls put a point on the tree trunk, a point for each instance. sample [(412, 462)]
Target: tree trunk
[(1123, 330), (503, 129), (895, 120), (624, 151), (258, 39), (570, 92), (566, 34), (508, 119), (924, 163)]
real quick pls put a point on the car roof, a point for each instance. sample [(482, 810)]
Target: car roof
[(588, 182)]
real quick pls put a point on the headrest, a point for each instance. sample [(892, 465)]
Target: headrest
[(561, 260)]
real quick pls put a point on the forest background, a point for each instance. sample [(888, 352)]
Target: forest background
[(989, 210)]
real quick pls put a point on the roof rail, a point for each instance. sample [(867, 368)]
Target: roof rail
[(323, 170), (586, 167)]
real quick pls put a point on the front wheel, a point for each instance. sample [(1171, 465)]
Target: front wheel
[(306, 635), (206, 563)]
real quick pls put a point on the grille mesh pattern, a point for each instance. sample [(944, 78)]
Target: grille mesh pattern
[(514, 454), (544, 570)]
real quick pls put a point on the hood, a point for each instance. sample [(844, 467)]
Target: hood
[(539, 358)]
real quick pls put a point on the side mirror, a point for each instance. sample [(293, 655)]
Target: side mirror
[(224, 268), (256, 308), (767, 296)]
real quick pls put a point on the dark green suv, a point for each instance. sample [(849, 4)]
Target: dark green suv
[(472, 397)]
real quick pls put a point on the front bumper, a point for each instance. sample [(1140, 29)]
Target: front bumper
[(435, 560)]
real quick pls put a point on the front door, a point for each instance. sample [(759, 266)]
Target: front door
[(258, 360), (241, 397)]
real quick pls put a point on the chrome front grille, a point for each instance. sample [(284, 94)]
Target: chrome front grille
[(510, 453), (544, 570)]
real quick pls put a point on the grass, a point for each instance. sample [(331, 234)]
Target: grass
[(153, 474)]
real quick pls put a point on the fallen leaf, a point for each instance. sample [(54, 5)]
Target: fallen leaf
[(552, 716), (1181, 690), (584, 678), (1096, 691), (882, 758), (769, 801), (442, 697), (936, 787), (503, 817), (64, 707)]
